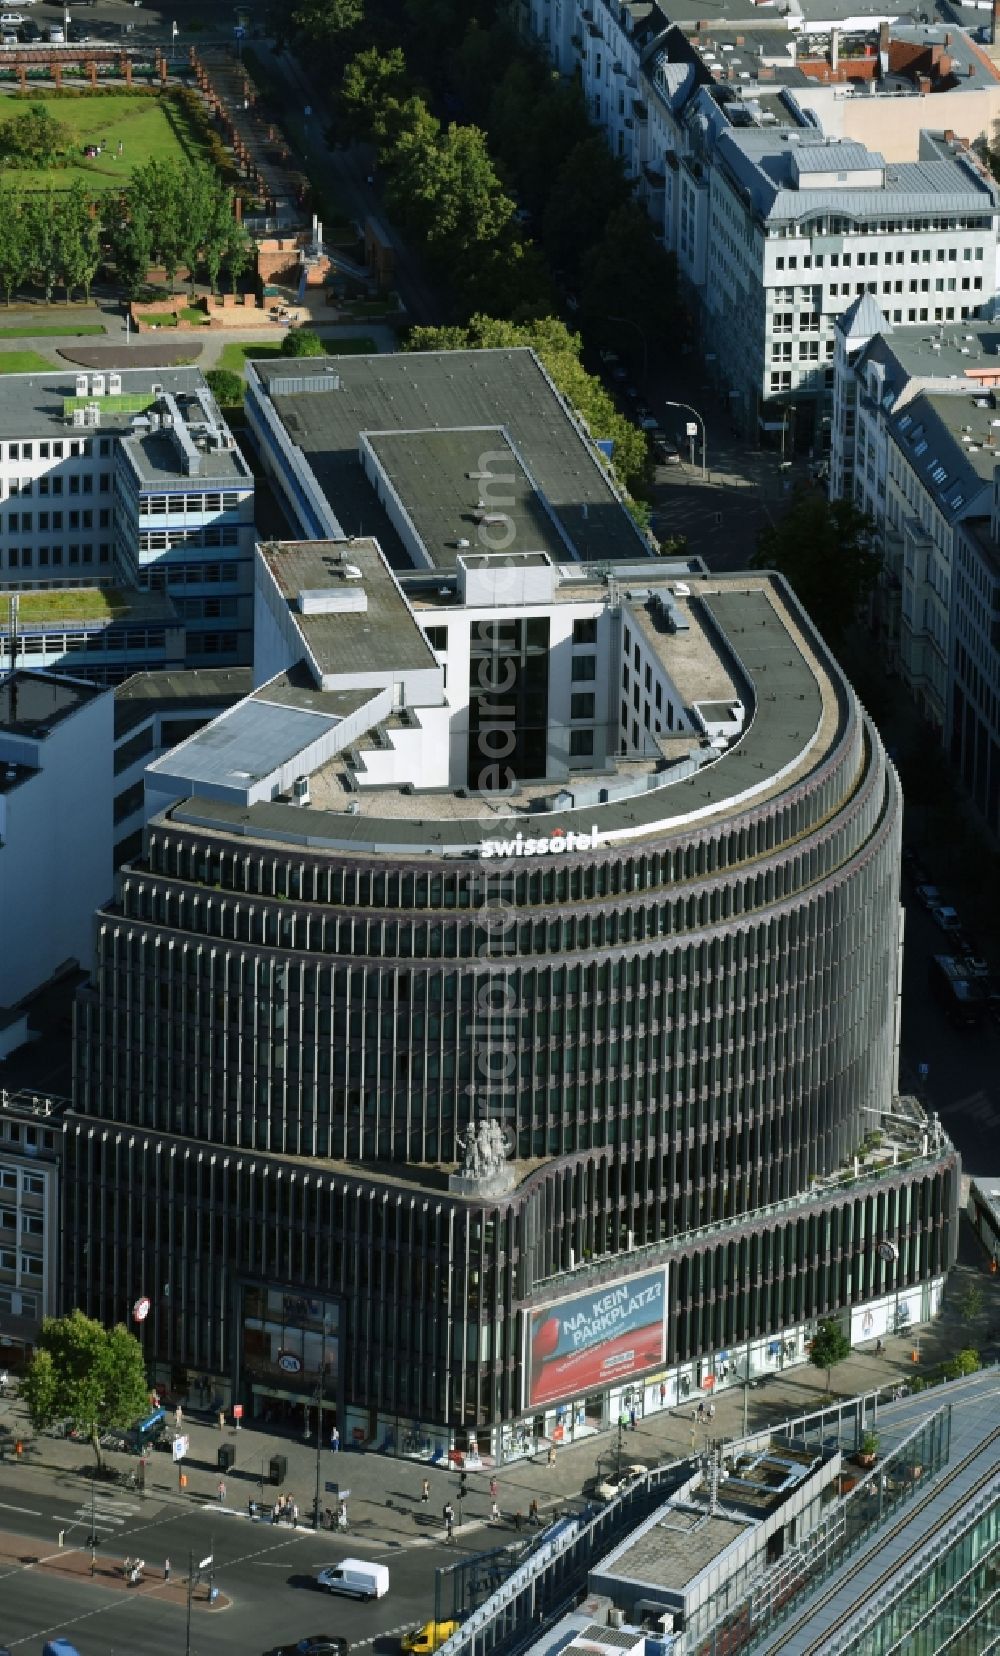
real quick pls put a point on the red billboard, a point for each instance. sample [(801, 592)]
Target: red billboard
[(595, 1340)]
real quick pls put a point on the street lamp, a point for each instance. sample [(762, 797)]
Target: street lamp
[(668, 403), (319, 1422), (630, 322)]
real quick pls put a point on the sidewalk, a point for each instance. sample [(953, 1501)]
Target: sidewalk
[(383, 1493), (73, 1563)]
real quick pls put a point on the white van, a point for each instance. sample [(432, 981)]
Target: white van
[(355, 1579)]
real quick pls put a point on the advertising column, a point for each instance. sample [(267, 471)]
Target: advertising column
[(596, 1340)]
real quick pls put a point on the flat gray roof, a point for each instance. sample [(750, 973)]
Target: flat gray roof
[(32, 703), (186, 690), (33, 405), (797, 710), (433, 473), (456, 392), (157, 459), (248, 743), (672, 1552), (344, 641)]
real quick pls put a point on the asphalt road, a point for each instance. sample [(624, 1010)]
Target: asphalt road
[(963, 1080), (267, 1573)]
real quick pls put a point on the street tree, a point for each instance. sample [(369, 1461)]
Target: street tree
[(79, 239), (239, 252), (328, 20), (964, 1362), (15, 261), (302, 342), (373, 90), (823, 548), (42, 230), (587, 189), (226, 387), (93, 1376), (971, 1303), (829, 1347), (627, 273)]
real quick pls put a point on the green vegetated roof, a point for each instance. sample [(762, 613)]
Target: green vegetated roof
[(126, 402)]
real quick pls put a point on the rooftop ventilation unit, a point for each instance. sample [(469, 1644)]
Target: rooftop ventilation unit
[(79, 417), (352, 573), (82, 385), (114, 385), (156, 390), (97, 384), (300, 791)]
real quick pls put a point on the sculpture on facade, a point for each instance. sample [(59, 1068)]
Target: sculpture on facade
[(485, 1150)]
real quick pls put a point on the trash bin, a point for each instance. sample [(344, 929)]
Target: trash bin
[(226, 1457), (278, 1469)]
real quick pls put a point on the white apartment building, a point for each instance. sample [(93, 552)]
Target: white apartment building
[(129, 480), (800, 226), (30, 1167), (721, 130), (974, 733), (56, 738), (942, 453)]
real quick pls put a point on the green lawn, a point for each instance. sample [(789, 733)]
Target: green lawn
[(234, 355), (141, 125), (71, 604), (66, 332), (25, 362)]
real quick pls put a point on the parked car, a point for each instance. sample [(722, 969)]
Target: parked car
[(29, 33), (928, 896), (946, 917), (77, 32), (666, 452), (315, 1644), (609, 1487), (10, 20), (56, 34)]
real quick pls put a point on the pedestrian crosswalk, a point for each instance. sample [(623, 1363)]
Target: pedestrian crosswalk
[(106, 1515)]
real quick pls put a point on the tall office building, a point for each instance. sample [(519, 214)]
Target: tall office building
[(507, 1102)]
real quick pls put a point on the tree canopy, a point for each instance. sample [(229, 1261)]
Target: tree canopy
[(34, 139), (823, 548), (829, 1347), (87, 1374), (302, 342)]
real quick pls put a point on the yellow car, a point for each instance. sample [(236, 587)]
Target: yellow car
[(425, 1640)]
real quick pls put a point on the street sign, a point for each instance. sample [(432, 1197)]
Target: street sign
[(181, 1446), (332, 1488), (205, 1562), (237, 1411), (691, 429), (141, 1310), (240, 32)]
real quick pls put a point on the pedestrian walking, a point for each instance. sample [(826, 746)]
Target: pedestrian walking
[(335, 1440), (127, 1567), (663, 1394), (493, 1489), (518, 1519), (552, 1455), (632, 1418), (178, 1416), (425, 1490), (222, 1489), (495, 1512), (166, 1569), (533, 1514), (222, 1419), (342, 1515), (711, 1411), (295, 1513)]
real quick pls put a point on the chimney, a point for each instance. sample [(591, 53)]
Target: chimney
[(949, 135), (923, 85)]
